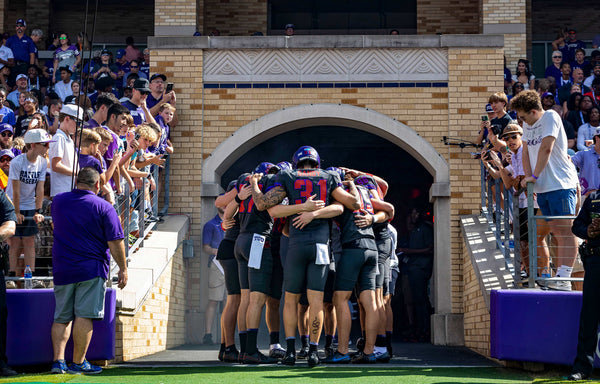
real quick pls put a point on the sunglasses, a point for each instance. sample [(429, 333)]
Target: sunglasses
[(6, 134), (133, 66), (5, 160), (514, 137), (557, 57), (62, 38)]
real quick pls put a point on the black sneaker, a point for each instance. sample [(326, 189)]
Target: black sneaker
[(289, 358), (329, 351), (241, 357), (231, 356), (258, 358), (207, 339), (364, 358), (6, 371), (382, 357), (313, 359), (303, 352), (578, 376), (360, 344)]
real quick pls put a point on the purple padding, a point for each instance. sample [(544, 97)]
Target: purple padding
[(534, 325), (30, 316)]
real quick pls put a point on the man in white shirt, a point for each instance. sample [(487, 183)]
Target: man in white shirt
[(63, 87), (6, 54), (62, 150), (547, 165)]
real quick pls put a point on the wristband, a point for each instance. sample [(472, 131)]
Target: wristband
[(374, 219), (237, 199), (38, 211), (534, 176)]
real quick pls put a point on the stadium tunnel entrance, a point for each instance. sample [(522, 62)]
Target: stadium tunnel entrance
[(361, 139)]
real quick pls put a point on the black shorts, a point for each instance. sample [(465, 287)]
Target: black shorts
[(232, 276), (256, 280), (28, 227), (300, 270), (384, 249), (226, 250), (276, 279), (358, 267)]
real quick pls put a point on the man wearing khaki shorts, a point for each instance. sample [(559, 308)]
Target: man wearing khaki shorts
[(86, 227)]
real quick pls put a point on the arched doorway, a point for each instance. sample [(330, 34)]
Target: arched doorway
[(309, 115)]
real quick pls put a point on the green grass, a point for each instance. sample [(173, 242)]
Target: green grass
[(285, 375)]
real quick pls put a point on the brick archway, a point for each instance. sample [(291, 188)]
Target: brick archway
[(288, 119)]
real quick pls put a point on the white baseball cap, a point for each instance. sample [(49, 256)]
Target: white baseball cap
[(37, 136), (73, 111)]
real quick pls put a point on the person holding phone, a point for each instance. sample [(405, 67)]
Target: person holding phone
[(161, 92), (485, 124)]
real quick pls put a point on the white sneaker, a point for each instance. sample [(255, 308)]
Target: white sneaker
[(276, 351), (559, 285)]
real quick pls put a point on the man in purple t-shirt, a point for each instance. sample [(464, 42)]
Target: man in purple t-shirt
[(86, 227)]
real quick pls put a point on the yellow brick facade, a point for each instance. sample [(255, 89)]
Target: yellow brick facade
[(209, 116), (160, 322), (477, 316)]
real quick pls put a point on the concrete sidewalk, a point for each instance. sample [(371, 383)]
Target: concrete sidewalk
[(415, 355)]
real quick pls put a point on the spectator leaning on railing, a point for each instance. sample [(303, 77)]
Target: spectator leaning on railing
[(547, 165)]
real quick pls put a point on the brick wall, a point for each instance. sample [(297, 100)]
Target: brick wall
[(439, 16), (474, 74), (174, 13), (160, 323), (476, 314), (235, 17)]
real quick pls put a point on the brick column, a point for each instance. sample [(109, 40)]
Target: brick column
[(38, 17), (175, 17), (510, 20)]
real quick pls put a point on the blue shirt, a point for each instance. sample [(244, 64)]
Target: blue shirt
[(212, 233), (136, 112), (589, 175), (8, 116), (83, 225), (21, 47)]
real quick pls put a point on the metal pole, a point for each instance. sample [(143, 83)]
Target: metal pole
[(531, 236)]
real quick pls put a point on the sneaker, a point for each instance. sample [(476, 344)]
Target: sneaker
[(559, 285), (276, 351), (6, 371), (11, 285), (220, 355), (241, 357), (364, 358), (360, 344), (231, 356), (38, 284), (289, 358), (258, 358), (382, 357), (303, 352), (313, 359), (84, 367), (131, 239), (59, 366), (329, 351), (338, 358), (207, 340), (578, 376)]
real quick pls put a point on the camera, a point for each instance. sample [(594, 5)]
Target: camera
[(487, 156), (496, 129)]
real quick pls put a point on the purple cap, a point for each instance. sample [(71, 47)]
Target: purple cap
[(6, 127), (120, 53), (546, 94), (488, 108), (7, 152)]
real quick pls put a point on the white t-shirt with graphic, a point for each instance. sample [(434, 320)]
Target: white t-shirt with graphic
[(28, 174)]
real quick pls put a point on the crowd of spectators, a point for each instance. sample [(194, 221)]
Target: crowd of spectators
[(66, 113)]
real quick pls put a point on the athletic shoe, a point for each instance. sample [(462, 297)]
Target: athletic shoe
[(382, 357), (289, 358), (231, 356), (390, 351), (338, 358), (578, 376), (241, 357), (221, 354), (276, 351), (364, 358), (207, 339), (303, 352), (329, 351), (11, 285), (313, 359), (559, 285), (258, 358), (6, 371), (360, 344), (84, 367), (59, 366)]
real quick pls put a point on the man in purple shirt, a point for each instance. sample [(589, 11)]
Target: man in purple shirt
[(587, 162), (86, 227)]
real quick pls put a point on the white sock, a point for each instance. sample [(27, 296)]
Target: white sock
[(380, 349), (564, 271)]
